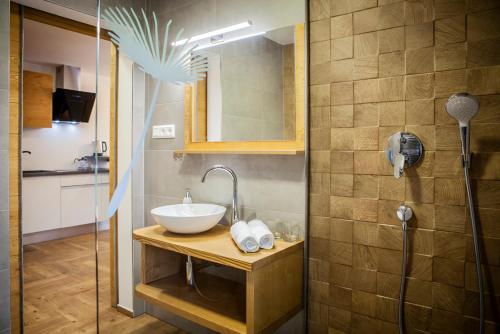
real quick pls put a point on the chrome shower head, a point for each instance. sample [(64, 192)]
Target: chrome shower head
[(462, 107)]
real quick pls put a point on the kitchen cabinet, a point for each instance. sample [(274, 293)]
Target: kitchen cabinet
[(37, 99), (52, 202), (41, 203)]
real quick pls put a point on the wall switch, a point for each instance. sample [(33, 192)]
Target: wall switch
[(164, 131)]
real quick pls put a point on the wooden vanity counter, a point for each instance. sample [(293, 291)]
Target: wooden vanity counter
[(270, 295)]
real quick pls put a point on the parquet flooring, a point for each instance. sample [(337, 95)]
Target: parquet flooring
[(59, 291)]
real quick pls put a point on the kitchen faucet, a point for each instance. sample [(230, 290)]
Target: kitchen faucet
[(235, 217)]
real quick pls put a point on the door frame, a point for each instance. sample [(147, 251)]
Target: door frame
[(17, 14)]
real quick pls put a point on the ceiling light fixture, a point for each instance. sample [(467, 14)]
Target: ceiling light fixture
[(202, 47)]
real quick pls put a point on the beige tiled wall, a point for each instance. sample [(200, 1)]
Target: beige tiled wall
[(377, 68)]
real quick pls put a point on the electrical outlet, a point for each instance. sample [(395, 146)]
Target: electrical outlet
[(164, 131)]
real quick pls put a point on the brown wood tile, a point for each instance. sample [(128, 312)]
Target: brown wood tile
[(319, 205), (320, 161), (485, 80), (342, 116), (342, 162), (419, 86), (364, 280), (340, 297), (342, 139), (391, 89), (391, 64), (319, 227), (366, 91), (319, 270), (449, 191), (364, 233), (448, 271), (450, 30), (366, 186), (418, 317), (423, 216), (388, 285), (319, 291), (449, 245), (419, 292), (366, 139), (341, 207), (448, 164), (341, 230), (319, 9), (320, 74), (489, 222), (449, 82), (319, 117), (448, 298), (341, 185), (392, 188), (450, 218), (447, 8), (364, 257), (446, 322), (392, 113), (390, 16), (341, 93), (320, 139), (366, 114), (383, 136), (319, 183), (364, 303), (391, 40), (419, 35), (320, 95), (366, 44), (483, 25), (341, 48), (389, 261), (387, 212), (365, 209), (341, 26), (342, 70), (447, 138), (320, 30), (320, 52), (390, 237), (387, 309), (420, 60), (449, 56), (340, 275), (366, 20), (319, 248), (422, 241), (423, 168), (339, 319), (420, 189), (340, 252), (418, 11), (365, 67), (364, 162), (420, 267)]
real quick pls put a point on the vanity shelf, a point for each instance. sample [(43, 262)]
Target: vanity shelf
[(270, 293)]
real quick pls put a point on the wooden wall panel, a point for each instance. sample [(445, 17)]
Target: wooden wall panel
[(14, 171), (390, 66)]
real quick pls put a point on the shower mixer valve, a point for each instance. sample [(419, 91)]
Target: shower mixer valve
[(403, 149)]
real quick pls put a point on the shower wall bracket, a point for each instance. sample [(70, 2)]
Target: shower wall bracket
[(403, 149)]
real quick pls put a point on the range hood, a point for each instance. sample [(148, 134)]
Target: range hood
[(69, 103)]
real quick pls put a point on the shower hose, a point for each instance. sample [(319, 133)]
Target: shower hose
[(402, 285), (477, 253)]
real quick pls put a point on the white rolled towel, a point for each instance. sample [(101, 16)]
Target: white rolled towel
[(264, 236), (243, 237)]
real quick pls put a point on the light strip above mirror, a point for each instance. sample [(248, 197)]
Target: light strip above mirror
[(206, 46), (220, 31)]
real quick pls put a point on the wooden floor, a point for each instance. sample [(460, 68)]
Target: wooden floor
[(59, 290)]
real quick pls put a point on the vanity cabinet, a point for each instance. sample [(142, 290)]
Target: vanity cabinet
[(269, 295)]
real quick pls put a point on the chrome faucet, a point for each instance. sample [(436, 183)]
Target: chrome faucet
[(235, 217)]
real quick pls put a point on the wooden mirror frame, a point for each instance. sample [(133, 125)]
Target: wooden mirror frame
[(295, 146)]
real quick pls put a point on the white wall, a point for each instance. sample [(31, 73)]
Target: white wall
[(45, 47)]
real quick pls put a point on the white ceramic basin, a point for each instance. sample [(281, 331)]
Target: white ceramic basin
[(188, 218)]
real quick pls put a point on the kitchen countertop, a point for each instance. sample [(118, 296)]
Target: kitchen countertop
[(31, 173)]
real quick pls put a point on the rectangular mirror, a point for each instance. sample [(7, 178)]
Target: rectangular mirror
[(252, 98), (249, 90)]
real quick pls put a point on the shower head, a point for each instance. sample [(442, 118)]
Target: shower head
[(462, 107)]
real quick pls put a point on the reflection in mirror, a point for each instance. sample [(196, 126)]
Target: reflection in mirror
[(249, 91)]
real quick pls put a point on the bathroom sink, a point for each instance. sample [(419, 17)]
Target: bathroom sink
[(188, 218)]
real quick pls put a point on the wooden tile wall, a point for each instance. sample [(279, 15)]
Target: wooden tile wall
[(383, 66)]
